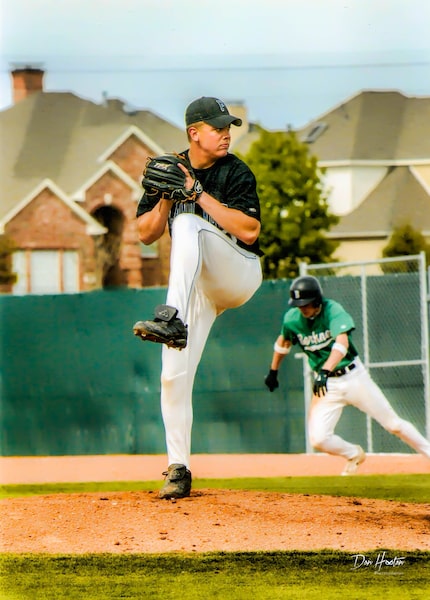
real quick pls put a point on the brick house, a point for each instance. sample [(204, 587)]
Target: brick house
[(70, 183)]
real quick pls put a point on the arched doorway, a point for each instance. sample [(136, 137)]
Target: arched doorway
[(109, 247)]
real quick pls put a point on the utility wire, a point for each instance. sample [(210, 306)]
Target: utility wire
[(181, 69)]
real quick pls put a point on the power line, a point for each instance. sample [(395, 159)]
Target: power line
[(260, 68)]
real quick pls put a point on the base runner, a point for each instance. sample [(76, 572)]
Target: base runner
[(322, 328)]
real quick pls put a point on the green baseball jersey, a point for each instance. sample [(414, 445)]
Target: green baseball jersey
[(316, 336)]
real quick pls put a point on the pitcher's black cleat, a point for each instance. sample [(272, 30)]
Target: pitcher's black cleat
[(177, 483), (166, 328)]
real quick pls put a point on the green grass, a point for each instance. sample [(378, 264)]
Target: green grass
[(404, 488), (223, 576)]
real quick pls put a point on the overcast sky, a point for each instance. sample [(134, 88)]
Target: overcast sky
[(288, 61)]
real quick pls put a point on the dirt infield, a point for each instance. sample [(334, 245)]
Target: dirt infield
[(209, 519)]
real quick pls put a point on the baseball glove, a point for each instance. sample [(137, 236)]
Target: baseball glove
[(164, 179)]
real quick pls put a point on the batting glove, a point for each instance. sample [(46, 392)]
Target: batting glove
[(320, 383), (272, 380)]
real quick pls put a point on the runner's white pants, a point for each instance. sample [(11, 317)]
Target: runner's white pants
[(208, 274), (358, 389)]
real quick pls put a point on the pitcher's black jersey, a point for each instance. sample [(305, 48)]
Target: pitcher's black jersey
[(231, 182)]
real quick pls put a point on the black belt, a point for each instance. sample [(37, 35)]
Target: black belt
[(343, 371)]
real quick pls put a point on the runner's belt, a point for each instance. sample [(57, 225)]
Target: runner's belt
[(344, 371)]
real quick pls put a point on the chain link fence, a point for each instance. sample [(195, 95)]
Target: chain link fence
[(388, 300)]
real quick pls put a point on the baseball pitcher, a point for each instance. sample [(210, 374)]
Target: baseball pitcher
[(207, 197)]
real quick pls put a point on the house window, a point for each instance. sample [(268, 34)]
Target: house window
[(314, 133), (70, 271), (46, 271)]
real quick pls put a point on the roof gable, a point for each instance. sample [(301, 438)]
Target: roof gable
[(130, 132), (399, 199), (93, 226), (79, 194)]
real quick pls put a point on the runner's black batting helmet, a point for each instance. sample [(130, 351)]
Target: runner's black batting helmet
[(305, 290)]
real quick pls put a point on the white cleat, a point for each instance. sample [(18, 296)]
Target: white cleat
[(353, 463)]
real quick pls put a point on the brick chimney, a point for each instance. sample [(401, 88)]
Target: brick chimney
[(26, 81)]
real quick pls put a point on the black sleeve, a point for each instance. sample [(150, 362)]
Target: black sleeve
[(145, 204), (242, 190)]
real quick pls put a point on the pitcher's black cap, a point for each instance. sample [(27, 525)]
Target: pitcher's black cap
[(212, 111)]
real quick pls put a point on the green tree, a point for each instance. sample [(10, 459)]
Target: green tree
[(7, 247), (294, 208), (404, 241)]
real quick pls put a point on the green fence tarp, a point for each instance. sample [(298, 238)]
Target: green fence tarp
[(74, 380)]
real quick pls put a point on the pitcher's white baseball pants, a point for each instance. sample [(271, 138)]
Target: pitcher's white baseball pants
[(358, 389), (209, 273)]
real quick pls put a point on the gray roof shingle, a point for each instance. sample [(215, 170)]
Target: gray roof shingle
[(374, 126)]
